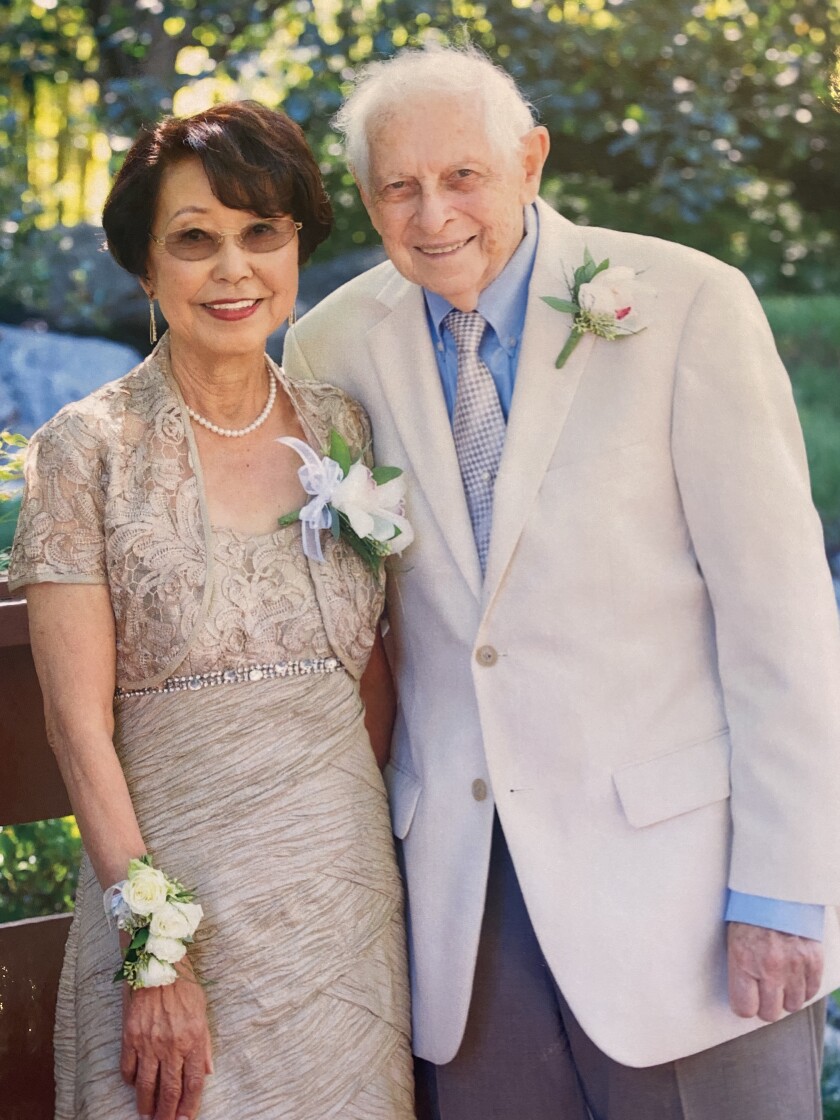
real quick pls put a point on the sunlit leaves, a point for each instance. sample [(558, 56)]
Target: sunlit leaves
[(678, 106), (38, 868)]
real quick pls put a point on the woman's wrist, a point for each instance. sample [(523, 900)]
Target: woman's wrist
[(157, 916)]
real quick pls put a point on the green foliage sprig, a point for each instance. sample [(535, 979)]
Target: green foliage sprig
[(12, 454)]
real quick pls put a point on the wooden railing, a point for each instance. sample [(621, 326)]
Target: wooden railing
[(31, 951)]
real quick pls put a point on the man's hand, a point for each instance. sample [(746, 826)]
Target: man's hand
[(771, 972)]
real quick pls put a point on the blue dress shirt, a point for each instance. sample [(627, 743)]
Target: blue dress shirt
[(503, 304)]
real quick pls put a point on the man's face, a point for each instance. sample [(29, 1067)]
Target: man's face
[(446, 204)]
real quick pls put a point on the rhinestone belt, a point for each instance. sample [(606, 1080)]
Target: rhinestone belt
[(307, 667)]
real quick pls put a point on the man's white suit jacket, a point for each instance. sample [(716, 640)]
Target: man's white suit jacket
[(647, 681)]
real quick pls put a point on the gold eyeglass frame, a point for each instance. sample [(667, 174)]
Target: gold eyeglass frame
[(221, 234)]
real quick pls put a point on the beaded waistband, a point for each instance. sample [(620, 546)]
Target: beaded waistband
[(309, 666)]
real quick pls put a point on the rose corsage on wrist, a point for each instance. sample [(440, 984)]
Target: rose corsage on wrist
[(160, 915), (364, 507), (603, 301)]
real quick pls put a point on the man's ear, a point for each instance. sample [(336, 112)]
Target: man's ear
[(535, 145)]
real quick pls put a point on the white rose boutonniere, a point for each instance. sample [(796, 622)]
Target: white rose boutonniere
[(604, 302), (365, 507)]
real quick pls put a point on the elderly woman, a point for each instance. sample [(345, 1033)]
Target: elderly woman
[(201, 677)]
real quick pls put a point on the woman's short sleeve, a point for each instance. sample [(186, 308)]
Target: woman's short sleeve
[(60, 532)]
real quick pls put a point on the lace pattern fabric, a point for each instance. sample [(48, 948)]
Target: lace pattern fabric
[(262, 602), (114, 495)]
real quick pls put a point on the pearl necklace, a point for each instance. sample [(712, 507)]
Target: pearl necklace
[(235, 433)]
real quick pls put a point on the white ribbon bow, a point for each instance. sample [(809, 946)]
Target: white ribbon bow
[(319, 477)]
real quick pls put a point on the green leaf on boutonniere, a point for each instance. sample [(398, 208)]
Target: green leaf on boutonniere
[(381, 475), (561, 304), (588, 270), (340, 451), (335, 523), (600, 268), (585, 272), (288, 519)]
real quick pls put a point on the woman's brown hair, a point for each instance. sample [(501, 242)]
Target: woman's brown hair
[(256, 159)]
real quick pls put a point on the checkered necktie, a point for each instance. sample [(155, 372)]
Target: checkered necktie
[(478, 425)]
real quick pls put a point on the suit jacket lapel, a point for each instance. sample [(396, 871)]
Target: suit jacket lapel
[(410, 382), (543, 394)]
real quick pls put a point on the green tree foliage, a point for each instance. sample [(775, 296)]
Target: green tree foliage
[(38, 868), (12, 451), (807, 333), (710, 123)]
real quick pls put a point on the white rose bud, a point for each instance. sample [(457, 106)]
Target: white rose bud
[(193, 914), (169, 921), (156, 974), (145, 891), (168, 949), (609, 291)]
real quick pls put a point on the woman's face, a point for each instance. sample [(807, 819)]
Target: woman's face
[(228, 303)]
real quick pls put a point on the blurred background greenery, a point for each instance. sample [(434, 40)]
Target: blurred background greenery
[(713, 123), (38, 868)]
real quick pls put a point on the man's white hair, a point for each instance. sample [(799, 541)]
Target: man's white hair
[(381, 88)]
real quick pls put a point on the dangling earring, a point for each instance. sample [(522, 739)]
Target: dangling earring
[(293, 316), (152, 323)]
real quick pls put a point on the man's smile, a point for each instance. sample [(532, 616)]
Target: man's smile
[(443, 250)]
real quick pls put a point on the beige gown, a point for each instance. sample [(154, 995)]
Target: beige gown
[(265, 798)]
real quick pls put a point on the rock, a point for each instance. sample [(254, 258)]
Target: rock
[(41, 371), (78, 288)]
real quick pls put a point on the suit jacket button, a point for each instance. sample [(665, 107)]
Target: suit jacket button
[(479, 789), (486, 656)]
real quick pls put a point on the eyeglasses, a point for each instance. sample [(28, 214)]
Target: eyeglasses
[(197, 244)]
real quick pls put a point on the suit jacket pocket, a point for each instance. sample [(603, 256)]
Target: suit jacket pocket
[(403, 793), (678, 782)]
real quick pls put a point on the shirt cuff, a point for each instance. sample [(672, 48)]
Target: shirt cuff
[(804, 919)]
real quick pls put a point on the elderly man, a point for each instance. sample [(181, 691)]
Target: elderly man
[(615, 772)]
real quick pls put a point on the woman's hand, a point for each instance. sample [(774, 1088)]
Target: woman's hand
[(166, 1050)]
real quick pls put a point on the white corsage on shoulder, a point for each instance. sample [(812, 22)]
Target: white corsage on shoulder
[(365, 507), (604, 301)]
